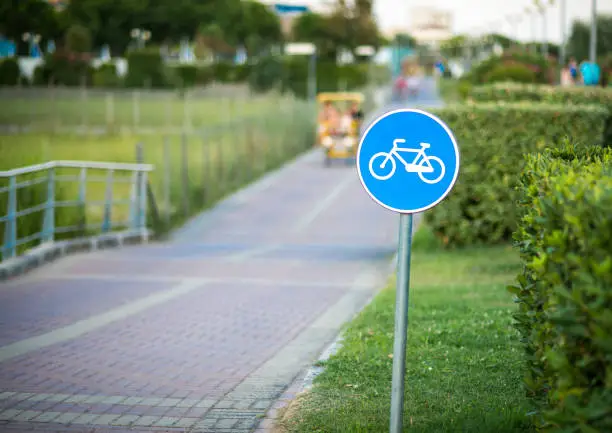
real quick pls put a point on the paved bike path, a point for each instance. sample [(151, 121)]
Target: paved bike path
[(201, 333)]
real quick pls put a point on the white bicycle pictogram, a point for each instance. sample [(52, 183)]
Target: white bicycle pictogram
[(380, 160)]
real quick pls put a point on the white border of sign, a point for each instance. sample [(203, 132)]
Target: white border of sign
[(448, 131)]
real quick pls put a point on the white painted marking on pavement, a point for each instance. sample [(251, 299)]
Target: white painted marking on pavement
[(94, 322), (307, 219)]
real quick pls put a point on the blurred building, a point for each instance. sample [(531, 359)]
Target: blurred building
[(430, 26), (289, 10)]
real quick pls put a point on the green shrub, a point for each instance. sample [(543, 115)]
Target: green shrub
[(536, 63), (222, 72), (514, 73), (330, 76), (565, 289), (146, 69), (492, 139), (552, 94), (266, 74), (106, 76), (66, 68), (9, 72), (241, 73), (204, 75), (78, 39), (186, 74)]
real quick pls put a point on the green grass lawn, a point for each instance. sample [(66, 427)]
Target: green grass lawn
[(47, 109), (464, 361), (197, 169)]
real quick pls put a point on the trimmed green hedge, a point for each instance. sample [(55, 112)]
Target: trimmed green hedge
[(565, 289), (146, 69), (493, 139), (515, 73), (9, 72), (551, 94)]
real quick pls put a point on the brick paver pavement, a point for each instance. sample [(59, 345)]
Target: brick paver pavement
[(204, 332)]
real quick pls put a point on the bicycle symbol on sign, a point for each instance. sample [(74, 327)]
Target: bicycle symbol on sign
[(380, 161)]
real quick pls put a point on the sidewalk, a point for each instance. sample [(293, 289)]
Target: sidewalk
[(204, 332)]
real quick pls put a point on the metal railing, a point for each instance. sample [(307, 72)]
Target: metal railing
[(30, 202)]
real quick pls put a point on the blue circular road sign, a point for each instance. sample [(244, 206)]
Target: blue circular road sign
[(408, 160)]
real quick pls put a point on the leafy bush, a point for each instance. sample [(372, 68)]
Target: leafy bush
[(555, 95), (514, 73), (187, 75), (106, 76), (146, 69), (266, 74), (41, 75), (492, 140), (541, 68), (67, 68), (330, 76), (9, 72), (565, 289), (78, 39), (241, 73), (222, 72)]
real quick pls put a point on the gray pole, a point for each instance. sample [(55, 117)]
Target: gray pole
[(545, 34), (401, 323), (593, 45), (312, 77), (563, 33), (534, 32)]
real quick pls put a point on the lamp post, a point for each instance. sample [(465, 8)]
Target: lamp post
[(542, 10), (562, 47), (531, 13), (141, 36), (593, 43), (32, 39)]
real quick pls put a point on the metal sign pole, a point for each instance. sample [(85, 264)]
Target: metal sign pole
[(386, 185), (401, 323)]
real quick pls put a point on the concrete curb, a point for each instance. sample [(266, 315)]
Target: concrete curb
[(48, 253)]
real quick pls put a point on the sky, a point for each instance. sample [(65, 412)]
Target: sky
[(470, 16)]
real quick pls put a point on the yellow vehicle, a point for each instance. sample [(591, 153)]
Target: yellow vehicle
[(339, 122)]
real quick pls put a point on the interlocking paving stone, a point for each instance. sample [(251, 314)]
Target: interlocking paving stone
[(146, 421), (125, 420), (52, 304)]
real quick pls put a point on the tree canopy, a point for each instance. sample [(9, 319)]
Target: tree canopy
[(246, 23)]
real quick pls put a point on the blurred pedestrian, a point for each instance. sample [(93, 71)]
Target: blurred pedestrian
[(566, 77), (573, 67), (590, 73)]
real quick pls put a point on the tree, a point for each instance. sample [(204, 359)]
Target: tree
[(317, 29), (77, 39), (255, 27), (28, 16), (110, 21), (580, 37)]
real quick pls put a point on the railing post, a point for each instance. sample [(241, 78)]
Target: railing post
[(48, 233), (142, 208), (136, 190), (108, 202), (167, 180), (134, 202), (83, 198), (10, 229), (184, 170)]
